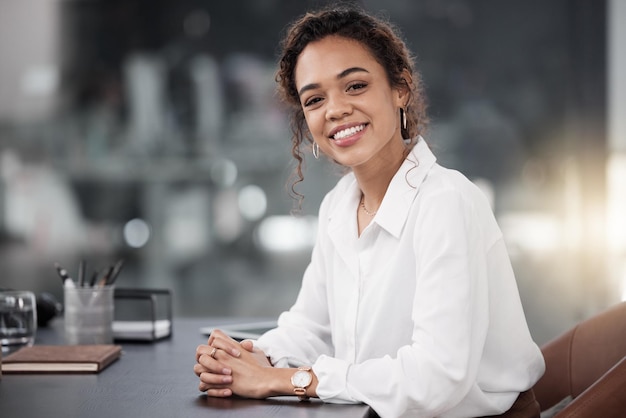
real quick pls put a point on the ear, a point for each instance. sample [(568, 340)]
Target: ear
[(405, 91)]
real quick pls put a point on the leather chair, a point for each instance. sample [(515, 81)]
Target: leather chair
[(587, 365)]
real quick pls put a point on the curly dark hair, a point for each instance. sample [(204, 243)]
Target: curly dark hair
[(383, 41)]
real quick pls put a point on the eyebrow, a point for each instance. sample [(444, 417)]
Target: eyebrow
[(341, 75)]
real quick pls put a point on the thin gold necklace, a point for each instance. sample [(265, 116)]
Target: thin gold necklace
[(365, 209)]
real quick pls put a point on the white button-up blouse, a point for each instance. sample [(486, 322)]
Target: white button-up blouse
[(419, 316)]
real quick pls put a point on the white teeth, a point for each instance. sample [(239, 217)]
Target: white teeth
[(348, 132)]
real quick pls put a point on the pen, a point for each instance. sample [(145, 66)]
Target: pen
[(81, 273), (67, 280), (116, 272), (94, 277)]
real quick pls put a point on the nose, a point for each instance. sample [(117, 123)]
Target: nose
[(337, 107)]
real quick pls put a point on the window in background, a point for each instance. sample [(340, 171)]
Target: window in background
[(165, 112)]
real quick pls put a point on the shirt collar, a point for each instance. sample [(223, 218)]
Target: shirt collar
[(403, 189)]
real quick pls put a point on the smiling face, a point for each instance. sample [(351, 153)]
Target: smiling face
[(350, 108)]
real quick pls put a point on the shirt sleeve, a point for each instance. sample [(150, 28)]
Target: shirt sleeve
[(303, 333)]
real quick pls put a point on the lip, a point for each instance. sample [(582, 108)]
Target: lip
[(350, 139), (342, 127)]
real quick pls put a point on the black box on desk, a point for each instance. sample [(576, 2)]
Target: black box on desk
[(142, 314)]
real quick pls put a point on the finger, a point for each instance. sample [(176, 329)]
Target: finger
[(212, 364), (203, 349), (208, 359), (219, 393), (198, 368), (247, 345), (214, 380), (216, 333), (222, 341), (225, 343), (203, 387)]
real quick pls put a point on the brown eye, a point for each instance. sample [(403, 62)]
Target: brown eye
[(312, 101), (357, 86)]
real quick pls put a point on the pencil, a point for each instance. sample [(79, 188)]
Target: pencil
[(104, 279)]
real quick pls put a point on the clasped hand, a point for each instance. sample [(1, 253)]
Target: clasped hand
[(226, 367)]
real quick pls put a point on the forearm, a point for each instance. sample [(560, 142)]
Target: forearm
[(278, 383)]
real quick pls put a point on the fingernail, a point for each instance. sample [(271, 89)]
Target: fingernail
[(236, 352), (227, 379), (226, 371)]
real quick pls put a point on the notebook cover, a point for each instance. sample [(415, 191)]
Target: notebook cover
[(61, 359)]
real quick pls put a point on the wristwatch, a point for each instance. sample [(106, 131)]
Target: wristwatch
[(300, 380)]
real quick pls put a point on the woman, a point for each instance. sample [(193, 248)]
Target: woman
[(409, 303)]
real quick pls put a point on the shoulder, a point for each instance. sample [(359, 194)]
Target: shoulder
[(445, 183), (448, 197), (422, 171)]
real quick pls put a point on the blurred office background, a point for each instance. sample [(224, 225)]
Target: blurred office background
[(149, 131)]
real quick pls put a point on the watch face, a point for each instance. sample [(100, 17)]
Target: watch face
[(301, 379)]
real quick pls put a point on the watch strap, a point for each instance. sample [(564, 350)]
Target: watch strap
[(301, 393)]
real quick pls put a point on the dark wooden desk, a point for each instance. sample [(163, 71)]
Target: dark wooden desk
[(150, 380)]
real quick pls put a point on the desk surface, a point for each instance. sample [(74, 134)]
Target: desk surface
[(150, 380)]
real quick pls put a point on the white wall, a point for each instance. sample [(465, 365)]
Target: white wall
[(616, 123), (28, 58)]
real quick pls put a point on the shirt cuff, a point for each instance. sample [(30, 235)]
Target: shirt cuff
[(332, 376)]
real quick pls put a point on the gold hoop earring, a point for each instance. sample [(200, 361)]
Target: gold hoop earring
[(316, 150), (403, 118)]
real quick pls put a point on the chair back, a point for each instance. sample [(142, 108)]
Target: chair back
[(578, 358)]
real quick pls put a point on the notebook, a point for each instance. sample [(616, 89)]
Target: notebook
[(61, 359)]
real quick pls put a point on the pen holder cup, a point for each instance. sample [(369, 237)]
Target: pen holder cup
[(89, 315)]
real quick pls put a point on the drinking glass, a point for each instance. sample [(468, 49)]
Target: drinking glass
[(18, 319)]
